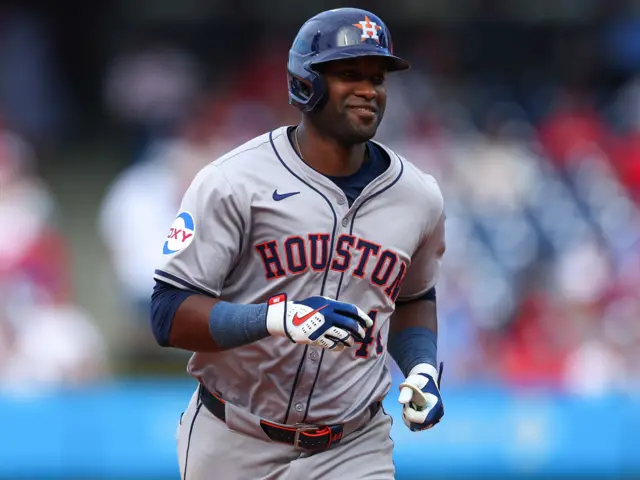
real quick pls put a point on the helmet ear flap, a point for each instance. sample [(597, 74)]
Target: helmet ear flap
[(305, 93), (301, 87)]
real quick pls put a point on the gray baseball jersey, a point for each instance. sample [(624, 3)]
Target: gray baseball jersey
[(258, 222)]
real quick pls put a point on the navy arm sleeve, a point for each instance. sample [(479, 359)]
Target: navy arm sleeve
[(429, 295), (165, 301)]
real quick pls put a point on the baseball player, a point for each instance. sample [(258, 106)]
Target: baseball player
[(298, 261)]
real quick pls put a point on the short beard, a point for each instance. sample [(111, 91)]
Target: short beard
[(337, 127)]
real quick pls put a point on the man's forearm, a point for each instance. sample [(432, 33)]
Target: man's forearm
[(413, 334), (201, 323), (204, 324), (419, 313)]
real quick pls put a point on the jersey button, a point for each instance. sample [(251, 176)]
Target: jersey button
[(299, 407), (314, 356), (341, 200), (345, 221)]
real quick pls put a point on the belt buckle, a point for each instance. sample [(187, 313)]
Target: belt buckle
[(296, 438)]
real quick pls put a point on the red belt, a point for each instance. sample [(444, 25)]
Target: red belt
[(306, 437)]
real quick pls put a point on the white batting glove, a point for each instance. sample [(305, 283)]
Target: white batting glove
[(318, 321), (420, 397)]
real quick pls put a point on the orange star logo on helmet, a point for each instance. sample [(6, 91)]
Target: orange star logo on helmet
[(369, 29)]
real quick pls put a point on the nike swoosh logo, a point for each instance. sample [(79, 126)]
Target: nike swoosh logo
[(298, 320), (281, 196)]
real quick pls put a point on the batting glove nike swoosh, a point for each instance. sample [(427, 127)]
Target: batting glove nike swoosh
[(421, 399), (317, 321)]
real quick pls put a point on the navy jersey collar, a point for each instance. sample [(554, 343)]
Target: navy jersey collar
[(285, 150)]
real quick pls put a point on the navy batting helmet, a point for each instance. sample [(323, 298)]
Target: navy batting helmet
[(335, 35)]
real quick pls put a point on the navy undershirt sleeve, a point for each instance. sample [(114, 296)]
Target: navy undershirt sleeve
[(429, 295), (165, 301)]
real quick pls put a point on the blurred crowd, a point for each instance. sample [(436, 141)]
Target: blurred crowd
[(46, 340), (540, 284)]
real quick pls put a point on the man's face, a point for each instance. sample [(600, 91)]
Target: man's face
[(356, 99)]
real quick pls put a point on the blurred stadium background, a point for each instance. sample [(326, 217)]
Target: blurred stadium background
[(526, 112)]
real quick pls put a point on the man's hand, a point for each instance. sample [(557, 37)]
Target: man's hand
[(317, 321), (420, 397)]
